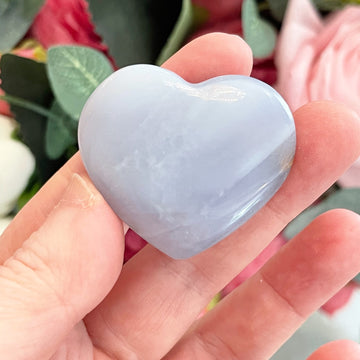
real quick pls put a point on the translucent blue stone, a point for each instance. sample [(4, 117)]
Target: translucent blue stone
[(185, 164)]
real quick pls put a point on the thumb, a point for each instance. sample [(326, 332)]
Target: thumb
[(61, 273)]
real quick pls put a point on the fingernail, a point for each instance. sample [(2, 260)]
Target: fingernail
[(78, 193)]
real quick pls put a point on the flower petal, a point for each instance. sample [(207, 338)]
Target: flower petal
[(295, 52), (17, 164)]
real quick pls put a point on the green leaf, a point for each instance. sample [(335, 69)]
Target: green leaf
[(135, 31), (61, 132), (74, 73), (344, 198), (258, 33), (181, 30), (16, 16), (278, 8), (32, 188), (357, 278), (27, 79)]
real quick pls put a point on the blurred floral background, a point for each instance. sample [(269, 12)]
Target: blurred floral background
[(54, 53)]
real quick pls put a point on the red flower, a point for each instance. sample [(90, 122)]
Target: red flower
[(61, 22), (220, 10), (265, 70), (133, 244)]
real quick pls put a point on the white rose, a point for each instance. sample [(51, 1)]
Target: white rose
[(17, 163)]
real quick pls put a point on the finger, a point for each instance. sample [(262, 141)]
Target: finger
[(168, 295), (337, 350), (211, 55), (59, 274), (206, 57), (259, 316)]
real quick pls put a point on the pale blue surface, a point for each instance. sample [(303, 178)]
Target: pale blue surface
[(184, 165)]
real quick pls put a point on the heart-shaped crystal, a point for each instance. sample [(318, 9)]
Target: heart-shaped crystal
[(185, 164)]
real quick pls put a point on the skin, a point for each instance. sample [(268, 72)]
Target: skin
[(64, 293)]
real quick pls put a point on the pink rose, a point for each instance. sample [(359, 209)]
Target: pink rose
[(61, 22), (319, 59)]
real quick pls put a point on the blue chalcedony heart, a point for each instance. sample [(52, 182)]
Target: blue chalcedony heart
[(183, 164)]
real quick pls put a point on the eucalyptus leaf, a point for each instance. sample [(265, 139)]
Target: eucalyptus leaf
[(135, 31), (258, 33), (60, 133), (343, 198), (278, 8), (182, 28), (16, 16), (74, 73), (27, 79)]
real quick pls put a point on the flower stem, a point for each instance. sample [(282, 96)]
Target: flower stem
[(26, 104)]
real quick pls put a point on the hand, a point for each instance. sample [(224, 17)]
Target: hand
[(64, 293)]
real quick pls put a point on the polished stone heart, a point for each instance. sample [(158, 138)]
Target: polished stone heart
[(185, 164)]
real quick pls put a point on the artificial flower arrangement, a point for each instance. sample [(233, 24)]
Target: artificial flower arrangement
[(54, 53)]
